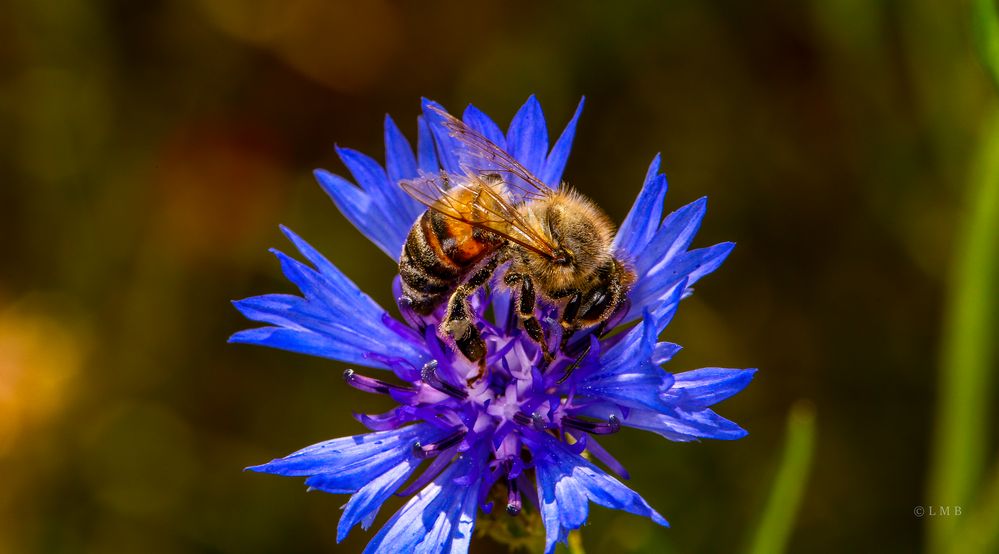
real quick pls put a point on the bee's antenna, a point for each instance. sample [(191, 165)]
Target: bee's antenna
[(572, 367), (599, 332)]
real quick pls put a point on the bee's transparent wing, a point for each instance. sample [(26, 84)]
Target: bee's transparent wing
[(442, 193), (495, 159), (473, 201)]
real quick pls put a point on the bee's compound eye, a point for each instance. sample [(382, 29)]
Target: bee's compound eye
[(596, 304)]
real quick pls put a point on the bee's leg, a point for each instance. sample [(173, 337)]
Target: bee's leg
[(579, 359), (590, 307), (458, 322), (526, 300), (458, 325), (568, 319)]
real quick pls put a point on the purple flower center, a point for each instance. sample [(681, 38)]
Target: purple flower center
[(512, 392)]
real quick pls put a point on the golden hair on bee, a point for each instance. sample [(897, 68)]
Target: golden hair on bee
[(581, 232)]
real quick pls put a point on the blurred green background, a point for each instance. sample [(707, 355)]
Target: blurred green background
[(150, 149)]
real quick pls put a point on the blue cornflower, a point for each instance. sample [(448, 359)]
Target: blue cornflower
[(520, 431)]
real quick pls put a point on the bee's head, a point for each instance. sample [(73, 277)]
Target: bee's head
[(580, 237)]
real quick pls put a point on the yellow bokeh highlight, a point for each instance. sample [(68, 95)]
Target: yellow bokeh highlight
[(39, 358)]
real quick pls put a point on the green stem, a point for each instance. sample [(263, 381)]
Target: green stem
[(970, 324), (576, 542), (778, 517), (981, 530), (985, 21), (968, 348)]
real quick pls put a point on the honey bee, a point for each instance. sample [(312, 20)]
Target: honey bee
[(556, 245)]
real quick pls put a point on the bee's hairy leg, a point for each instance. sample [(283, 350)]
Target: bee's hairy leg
[(586, 307), (598, 332), (458, 325), (458, 322), (526, 300), (568, 319)]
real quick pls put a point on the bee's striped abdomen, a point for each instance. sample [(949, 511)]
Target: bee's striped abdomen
[(439, 251)]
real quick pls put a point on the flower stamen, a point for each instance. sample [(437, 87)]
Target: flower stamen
[(370, 384), (535, 420), (513, 501), (613, 425), (423, 452), (429, 376)]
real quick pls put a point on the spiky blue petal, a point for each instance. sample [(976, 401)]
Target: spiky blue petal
[(348, 463), (400, 162), (658, 249), (704, 387), (332, 319), (371, 467), (626, 373), (557, 158), (645, 215), (672, 238), (448, 148), (683, 413), (527, 139), (362, 211), (476, 119), (656, 286), (681, 425), (426, 148), (567, 483), (440, 518)]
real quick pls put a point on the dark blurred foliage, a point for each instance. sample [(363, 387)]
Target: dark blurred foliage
[(149, 150)]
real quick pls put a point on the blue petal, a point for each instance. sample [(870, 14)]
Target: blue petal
[(441, 517), (448, 148), (366, 213), (365, 503), (303, 342), (352, 461), (400, 163), (426, 148), (656, 287), (626, 374), (673, 237), (664, 352), (371, 466), (645, 215), (527, 138), (567, 483), (482, 123), (641, 386), (659, 251), (555, 164), (639, 342), (332, 319), (396, 210), (682, 425), (326, 268), (700, 388)]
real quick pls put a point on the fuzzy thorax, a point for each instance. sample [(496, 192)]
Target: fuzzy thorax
[(579, 229)]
